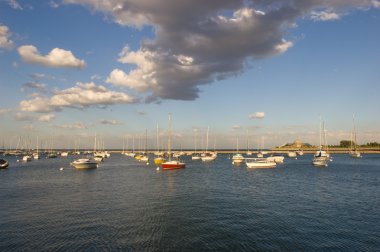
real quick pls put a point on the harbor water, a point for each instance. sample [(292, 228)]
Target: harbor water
[(124, 205)]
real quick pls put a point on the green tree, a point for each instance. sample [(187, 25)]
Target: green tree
[(346, 143)]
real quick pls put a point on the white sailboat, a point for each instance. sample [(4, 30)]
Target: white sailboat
[(196, 156), (237, 158), (36, 155), (353, 145), (321, 158), (144, 158), (208, 156), (249, 152)]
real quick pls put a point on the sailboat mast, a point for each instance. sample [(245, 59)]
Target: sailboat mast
[(320, 133), (169, 139), (158, 142), (195, 141), (353, 122), (146, 141), (237, 144), (208, 129)]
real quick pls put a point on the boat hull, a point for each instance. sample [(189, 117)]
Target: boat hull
[(320, 162), (276, 159), (4, 164), (355, 155), (158, 161), (261, 165), (85, 164), (173, 165)]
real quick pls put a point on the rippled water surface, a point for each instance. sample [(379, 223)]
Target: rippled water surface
[(128, 206)]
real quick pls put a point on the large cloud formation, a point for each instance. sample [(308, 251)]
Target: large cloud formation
[(197, 42), (56, 58), (81, 96)]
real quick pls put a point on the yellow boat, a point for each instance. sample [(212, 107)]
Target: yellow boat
[(159, 160)]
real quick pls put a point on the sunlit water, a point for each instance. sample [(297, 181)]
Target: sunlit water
[(129, 206)]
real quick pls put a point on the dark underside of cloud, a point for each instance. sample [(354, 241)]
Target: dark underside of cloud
[(197, 42)]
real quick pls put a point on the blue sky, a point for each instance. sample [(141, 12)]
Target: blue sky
[(117, 69)]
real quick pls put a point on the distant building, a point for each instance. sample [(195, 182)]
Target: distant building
[(297, 143)]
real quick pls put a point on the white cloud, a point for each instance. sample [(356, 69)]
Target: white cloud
[(75, 126), (96, 77), (46, 118), (53, 4), (81, 96), (14, 5), (257, 115), (5, 41), (324, 16), (38, 75), (109, 122), (56, 57)]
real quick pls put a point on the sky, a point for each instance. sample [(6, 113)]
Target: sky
[(251, 71)]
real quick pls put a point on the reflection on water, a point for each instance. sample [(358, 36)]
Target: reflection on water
[(125, 205)]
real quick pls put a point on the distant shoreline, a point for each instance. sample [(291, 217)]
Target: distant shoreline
[(309, 150)]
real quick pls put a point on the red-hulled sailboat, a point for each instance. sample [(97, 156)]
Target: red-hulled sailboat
[(171, 164)]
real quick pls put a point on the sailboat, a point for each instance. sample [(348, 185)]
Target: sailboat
[(249, 152), (36, 155), (145, 158), (195, 156), (237, 158), (353, 147), (171, 164), (208, 156), (260, 153), (159, 155), (321, 158)]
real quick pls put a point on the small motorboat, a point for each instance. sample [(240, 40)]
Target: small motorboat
[(260, 163), (174, 164), (4, 164), (85, 163)]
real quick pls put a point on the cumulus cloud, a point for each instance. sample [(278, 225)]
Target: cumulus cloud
[(5, 41), (56, 57), (33, 86), (197, 42), (46, 118), (109, 122), (81, 96), (257, 115)]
